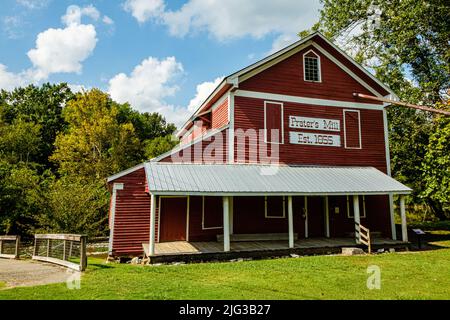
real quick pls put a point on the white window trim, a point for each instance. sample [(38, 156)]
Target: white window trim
[(350, 212), (203, 217), (282, 121), (266, 214), (359, 129), (319, 68)]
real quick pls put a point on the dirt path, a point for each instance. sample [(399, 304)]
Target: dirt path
[(15, 273)]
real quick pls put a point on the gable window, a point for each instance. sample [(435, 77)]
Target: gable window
[(311, 67)]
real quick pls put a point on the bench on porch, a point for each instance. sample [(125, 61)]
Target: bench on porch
[(257, 237)]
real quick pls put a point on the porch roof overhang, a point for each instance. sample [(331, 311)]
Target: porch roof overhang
[(254, 180)]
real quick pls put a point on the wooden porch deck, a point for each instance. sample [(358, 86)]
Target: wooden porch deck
[(202, 251)]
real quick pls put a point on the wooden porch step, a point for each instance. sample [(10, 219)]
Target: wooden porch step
[(257, 237)]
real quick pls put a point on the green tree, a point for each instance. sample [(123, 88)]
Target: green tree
[(147, 125), (20, 192), (74, 205), (39, 105), (159, 145), (436, 167), (95, 144), (19, 141)]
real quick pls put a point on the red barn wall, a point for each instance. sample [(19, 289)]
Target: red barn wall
[(132, 215), (211, 150), (249, 113), (286, 78), (220, 115)]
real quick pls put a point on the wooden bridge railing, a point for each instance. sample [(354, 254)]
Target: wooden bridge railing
[(68, 250), (9, 247)]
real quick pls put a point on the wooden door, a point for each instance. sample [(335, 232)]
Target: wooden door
[(173, 216)]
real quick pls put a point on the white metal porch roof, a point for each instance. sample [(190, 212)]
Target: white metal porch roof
[(245, 179)]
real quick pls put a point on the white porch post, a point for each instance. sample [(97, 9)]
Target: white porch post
[(291, 223), (327, 217), (403, 216), (392, 216), (152, 224), (357, 217), (226, 224)]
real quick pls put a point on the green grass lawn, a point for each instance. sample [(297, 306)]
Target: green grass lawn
[(411, 275)]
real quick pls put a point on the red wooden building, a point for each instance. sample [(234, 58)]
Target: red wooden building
[(280, 154)]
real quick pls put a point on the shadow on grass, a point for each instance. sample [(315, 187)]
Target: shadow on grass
[(98, 266)]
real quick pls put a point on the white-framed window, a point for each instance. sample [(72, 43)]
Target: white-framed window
[(311, 67), (352, 129), (362, 207), (275, 207), (212, 217), (273, 122)]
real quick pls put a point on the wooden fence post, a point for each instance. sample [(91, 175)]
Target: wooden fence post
[(83, 256), (35, 249), (64, 250), (17, 253)]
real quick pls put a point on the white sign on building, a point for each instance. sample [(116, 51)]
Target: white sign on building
[(314, 123), (315, 139)]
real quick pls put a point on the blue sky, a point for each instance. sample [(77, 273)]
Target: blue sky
[(159, 55)]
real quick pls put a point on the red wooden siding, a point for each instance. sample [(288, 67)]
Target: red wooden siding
[(273, 122), (351, 129), (220, 115), (286, 78), (132, 216), (249, 113), (211, 150)]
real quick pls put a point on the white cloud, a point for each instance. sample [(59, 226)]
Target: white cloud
[(12, 26), (230, 19), (77, 87), (107, 20), (74, 13), (57, 50), (203, 91), (33, 4), (10, 80), (63, 50), (143, 10), (147, 87), (282, 41)]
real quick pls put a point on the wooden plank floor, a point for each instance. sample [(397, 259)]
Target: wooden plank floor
[(184, 247)]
